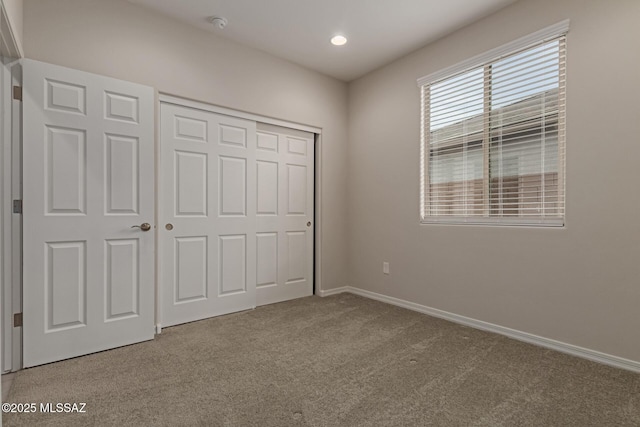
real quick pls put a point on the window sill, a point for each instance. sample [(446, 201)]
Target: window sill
[(501, 222)]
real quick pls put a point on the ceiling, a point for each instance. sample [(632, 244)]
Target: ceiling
[(378, 31)]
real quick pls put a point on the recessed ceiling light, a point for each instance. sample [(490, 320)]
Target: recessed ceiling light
[(338, 40)]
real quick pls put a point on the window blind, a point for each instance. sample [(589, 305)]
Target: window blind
[(493, 139)]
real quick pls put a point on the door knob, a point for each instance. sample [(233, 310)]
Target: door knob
[(145, 226), (308, 223)]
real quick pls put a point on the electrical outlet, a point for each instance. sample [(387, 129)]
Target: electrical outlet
[(385, 267)]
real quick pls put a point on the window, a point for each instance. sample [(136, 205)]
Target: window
[(493, 135)]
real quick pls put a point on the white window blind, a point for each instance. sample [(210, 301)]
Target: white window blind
[(493, 138)]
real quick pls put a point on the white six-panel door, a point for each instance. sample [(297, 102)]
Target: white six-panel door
[(208, 221), (88, 177), (284, 249)]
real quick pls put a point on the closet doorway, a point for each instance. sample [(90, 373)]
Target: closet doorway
[(236, 207)]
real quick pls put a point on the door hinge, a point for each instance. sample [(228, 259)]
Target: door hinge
[(17, 206), (17, 320), (17, 93)]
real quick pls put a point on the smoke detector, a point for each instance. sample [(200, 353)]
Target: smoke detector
[(218, 21)]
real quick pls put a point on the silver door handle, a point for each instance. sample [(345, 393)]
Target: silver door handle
[(145, 226)]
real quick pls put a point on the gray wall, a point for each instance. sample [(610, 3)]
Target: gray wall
[(580, 284), (122, 40)]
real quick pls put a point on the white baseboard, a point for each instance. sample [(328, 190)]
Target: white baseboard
[(585, 353), (334, 291)]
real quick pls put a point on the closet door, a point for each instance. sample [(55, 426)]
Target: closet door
[(284, 202), (207, 220)]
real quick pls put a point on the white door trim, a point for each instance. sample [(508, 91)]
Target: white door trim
[(16, 219), (317, 209), (5, 247), (11, 223), (184, 102)]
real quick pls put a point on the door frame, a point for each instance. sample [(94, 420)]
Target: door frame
[(11, 223), (165, 98)]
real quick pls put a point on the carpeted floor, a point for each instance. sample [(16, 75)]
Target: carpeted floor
[(336, 361)]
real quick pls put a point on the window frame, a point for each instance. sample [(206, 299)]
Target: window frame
[(484, 61)]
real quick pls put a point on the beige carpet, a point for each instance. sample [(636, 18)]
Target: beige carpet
[(337, 361)]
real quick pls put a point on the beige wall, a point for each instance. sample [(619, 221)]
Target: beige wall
[(580, 284), (119, 39), (14, 14)]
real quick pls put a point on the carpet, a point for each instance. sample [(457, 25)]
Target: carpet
[(343, 360)]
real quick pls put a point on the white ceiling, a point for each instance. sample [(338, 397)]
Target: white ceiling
[(379, 31)]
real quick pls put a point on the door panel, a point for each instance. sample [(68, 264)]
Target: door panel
[(66, 285), (87, 177), (296, 256), (191, 183), (233, 264), (285, 169), (208, 252), (121, 181), (191, 264), (267, 198), (267, 259), (296, 184), (66, 180), (232, 186), (122, 283)]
